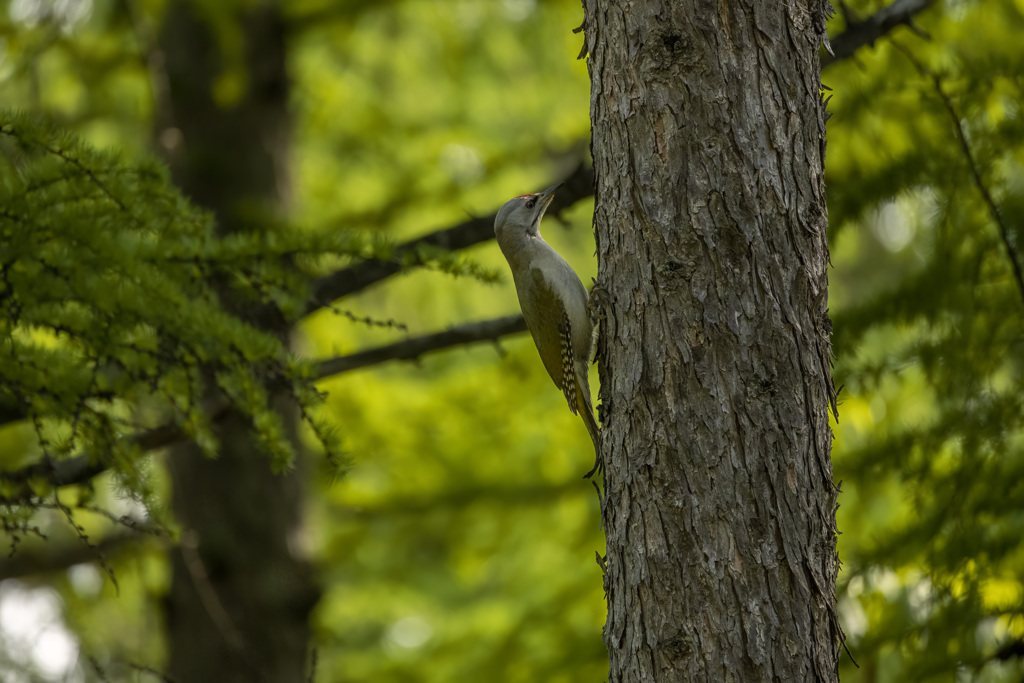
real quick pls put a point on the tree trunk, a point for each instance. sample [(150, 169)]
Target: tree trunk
[(708, 144), (240, 596)]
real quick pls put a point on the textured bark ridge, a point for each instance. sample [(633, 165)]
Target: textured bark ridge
[(708, 144)]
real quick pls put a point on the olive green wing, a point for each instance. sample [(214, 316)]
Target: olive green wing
[(549, 325)]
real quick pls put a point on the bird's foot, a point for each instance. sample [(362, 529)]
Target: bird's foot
[(600, 303)]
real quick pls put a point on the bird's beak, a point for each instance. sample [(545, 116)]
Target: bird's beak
[(546, 198), (552, 189)]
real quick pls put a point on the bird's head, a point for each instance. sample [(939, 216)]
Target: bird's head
[(521, 215)]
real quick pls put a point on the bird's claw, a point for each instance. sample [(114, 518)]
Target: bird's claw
[(599, 303)]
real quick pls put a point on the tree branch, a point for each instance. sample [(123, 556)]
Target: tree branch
[(965, 147), (412, 349), (58, 558), (867, 31), (579, 185), (82, 468), (355, 278)]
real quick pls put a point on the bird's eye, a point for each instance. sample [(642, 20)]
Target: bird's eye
[(531, 202)]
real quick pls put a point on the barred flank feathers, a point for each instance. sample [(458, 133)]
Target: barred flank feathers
[(568, 365)]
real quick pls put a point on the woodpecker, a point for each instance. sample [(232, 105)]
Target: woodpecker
[(555, 303)]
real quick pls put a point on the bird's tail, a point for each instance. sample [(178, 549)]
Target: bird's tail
[(586, 411)]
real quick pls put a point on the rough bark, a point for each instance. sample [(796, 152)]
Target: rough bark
[(708, 144), (241, 595)]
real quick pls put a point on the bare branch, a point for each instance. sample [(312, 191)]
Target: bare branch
[(350, 280), (412, 349), (867, 31)]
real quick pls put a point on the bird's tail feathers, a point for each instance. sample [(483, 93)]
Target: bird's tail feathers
[(588, 419), (587, 413), (586, 409)]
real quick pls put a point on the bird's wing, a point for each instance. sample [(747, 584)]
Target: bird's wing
[(549, 325)]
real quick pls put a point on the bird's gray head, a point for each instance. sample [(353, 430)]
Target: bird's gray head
[(520, 217)]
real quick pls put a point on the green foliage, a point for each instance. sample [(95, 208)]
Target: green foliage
[(929, 322), (114, 311), (439, 548), (460, 545)]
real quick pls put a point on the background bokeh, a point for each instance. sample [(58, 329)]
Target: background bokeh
[(459, 545)]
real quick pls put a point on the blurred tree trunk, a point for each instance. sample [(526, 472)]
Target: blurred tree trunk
[(708, 144), (240, 596)]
